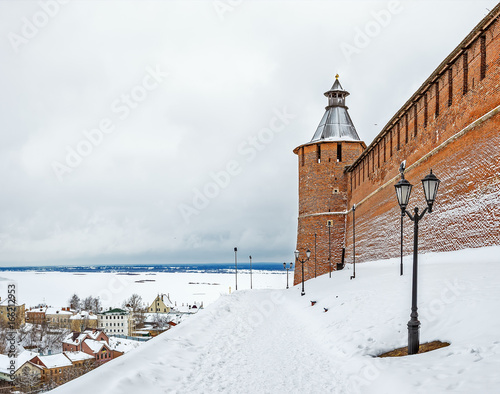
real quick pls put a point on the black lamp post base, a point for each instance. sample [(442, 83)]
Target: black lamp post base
[(413, 336)]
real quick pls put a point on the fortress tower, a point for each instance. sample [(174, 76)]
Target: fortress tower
[(323, 193)]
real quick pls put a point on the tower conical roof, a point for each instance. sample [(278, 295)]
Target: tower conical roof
[(336, 123)]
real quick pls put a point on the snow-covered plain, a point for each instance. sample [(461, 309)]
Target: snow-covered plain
[(55, 288), (274, 341)]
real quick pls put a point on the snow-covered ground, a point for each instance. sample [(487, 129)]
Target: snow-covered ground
[(55, 288), (274, 341)]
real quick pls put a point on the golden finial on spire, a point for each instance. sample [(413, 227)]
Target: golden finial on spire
[(337, 76)]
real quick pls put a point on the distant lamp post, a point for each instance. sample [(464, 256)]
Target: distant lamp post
[(353, 276), (403, 189), (287, 269), (302, 261), (236, 266), (250, 257), (329, 224)]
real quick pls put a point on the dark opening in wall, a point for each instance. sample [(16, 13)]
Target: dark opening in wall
[(415, 119), (406, 128), (483, 56), (385, 143), (466, 72), (436, 113), (399, 138), (390, 138), (318, 153), (425, 110), (339, 152), (450, 87)]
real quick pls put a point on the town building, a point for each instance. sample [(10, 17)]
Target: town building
[(116, 322), (59, 317), (54, 367), (6, 311), (450, 125), (93, 342), (83, 320), (161, 304), (36, 315)]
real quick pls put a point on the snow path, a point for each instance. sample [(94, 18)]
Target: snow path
[(278, 356), (275, 341)]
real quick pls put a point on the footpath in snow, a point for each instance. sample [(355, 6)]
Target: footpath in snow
[(274, 341)]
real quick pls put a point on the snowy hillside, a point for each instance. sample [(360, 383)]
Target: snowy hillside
[(274, 341)]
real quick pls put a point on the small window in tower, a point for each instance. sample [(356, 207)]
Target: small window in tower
[(318, 153), (339, 152), (335, 191)]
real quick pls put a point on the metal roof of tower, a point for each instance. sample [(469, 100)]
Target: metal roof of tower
[(336, 123)]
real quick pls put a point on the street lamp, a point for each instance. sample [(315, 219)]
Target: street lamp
[(403, 189), (329, 224), (287, 269), (302, 261), (402, 171), (250, 271), (236, 266), (353, 276)]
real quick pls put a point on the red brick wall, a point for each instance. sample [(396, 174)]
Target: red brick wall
[(464, 213), (438, 129), (322, 197)]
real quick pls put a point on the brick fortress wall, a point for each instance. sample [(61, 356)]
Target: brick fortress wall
[(322, 197), (450, 125)]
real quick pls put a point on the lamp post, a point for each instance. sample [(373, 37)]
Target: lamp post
[(403, 189), (302, 261), (353, 276), (329, 224), (287, 269), (236, 266), (250, 272), (402, 171)]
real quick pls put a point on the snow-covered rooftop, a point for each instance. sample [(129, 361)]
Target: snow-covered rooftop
[(94, 334), (21, 358), (78, 356), (57, 311), (84, 315), (94, 345), (73, 339), (55, 361)]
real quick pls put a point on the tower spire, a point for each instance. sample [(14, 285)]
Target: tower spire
[(336, 123)]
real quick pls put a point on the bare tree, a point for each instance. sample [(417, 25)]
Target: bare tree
[(28, 381), (160, 321), (137, 308), (92, 304), (75, 302)]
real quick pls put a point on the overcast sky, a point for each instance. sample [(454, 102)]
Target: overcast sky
[(162, 132)]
